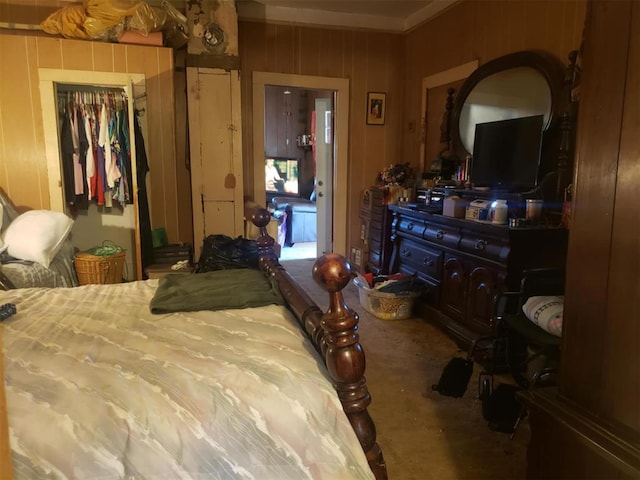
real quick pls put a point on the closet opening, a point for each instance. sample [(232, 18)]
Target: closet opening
[(96, 164)]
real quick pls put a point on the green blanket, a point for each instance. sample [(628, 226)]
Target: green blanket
[(217, 290)]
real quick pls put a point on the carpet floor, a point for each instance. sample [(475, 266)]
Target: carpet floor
[(423, 434)]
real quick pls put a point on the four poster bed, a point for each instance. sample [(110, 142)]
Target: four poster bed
[(122, 381)]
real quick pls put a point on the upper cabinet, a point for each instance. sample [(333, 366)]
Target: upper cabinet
[(285, 119)]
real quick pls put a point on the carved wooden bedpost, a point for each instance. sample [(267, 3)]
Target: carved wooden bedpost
[(345, 357), (261, 218), (334, 334)]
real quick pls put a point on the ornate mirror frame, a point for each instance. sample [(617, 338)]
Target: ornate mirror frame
[(552, 71)]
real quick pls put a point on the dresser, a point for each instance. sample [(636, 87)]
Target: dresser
[(375, 231), (465, 263)]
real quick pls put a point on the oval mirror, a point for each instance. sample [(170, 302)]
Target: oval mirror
[(500, 97), (517, 85)]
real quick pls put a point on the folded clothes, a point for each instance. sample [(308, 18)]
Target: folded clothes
[(406, 283)]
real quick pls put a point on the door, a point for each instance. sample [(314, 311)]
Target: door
[(216, 161), (340, 131), (324, 174)]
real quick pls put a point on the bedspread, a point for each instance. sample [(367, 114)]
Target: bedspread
[(98, 387)]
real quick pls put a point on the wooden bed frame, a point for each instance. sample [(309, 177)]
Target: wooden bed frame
[(334, 334)]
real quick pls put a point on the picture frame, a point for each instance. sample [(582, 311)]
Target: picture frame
[(376, 108)]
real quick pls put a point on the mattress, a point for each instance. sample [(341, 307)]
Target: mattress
[(98, 387)]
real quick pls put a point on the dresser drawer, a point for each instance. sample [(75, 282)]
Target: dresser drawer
[(411, 226), (443, 235), (423, 259), (491, 248)]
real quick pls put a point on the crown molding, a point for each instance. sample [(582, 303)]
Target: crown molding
[(256, 11)]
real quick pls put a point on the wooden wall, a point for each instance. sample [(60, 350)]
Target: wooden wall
[(590, 426), (396, 64), (23, 172), (482, 30), (371, 61), (386, 62)]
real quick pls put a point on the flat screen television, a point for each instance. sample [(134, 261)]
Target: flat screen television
[(281, 176), (506, 154)]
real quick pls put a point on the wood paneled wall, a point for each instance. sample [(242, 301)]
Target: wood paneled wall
[(23, 171), (371, 61), (590, 426), (483, 30), (396, 64), (386, 62)]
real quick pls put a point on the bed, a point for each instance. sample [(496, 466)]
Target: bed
[(98, 386)]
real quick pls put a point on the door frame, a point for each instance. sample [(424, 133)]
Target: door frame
[(341, 138), (134, 85), (432, 81)]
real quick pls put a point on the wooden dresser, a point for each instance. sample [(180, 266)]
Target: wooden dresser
[(375, 231), (466, 263)]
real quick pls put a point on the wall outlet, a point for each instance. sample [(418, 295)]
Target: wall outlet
[(356, 256)]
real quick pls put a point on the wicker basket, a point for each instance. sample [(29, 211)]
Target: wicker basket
[(385, 305), (99, 269)]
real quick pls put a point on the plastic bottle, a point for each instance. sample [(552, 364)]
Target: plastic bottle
[(499, 209)]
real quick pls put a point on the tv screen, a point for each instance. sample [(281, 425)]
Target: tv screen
[(281, 175), (506, 154)]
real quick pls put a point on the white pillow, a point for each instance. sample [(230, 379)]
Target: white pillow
[(546, 312), (37, 235)]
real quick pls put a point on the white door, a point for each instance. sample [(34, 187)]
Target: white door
[(324, 174)]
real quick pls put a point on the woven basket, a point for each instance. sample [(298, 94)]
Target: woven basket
[(98, 268)]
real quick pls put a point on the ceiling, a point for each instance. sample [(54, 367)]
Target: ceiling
[(383, 15)]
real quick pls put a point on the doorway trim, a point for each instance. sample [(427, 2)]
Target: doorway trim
[(432, 81), (341, 138), (134, 85)]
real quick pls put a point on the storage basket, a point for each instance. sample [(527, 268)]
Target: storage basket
[(385, 305), (99, 269)]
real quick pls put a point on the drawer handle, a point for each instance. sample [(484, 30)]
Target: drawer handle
[(481, 244), (405, 252), (440, 234), (410, 226), (428, 261)]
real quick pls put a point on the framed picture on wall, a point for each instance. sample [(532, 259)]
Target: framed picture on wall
[(376, 108)]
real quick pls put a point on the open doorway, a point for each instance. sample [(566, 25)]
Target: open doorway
[(329, 181)]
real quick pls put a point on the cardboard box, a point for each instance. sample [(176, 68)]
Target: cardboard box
[(478, 210), (154, 38), (454, 207)]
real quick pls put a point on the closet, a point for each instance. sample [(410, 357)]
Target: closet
[(93, 132)]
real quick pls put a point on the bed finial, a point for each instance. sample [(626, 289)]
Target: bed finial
[(261, 218), (332, 272), (345, 358)]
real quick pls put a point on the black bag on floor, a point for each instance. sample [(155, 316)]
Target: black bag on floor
[(457, 373), (500, 407), (455, 377), (221, 252)]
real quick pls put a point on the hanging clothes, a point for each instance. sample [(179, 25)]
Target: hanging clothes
[(142, 168), (67, 150), (96, 152)]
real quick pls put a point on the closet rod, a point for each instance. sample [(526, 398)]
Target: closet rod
[(66, 88)]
